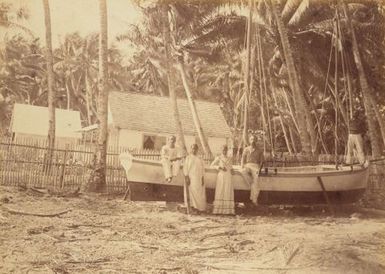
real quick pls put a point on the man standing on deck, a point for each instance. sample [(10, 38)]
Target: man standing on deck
[(170, 159), (355, 143), (252, 159)]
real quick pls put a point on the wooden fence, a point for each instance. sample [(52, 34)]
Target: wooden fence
[(22, 163)]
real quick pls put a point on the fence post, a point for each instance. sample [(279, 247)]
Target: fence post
[(61, 180)]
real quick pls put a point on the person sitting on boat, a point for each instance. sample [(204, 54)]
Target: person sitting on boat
[(170, 159), (252, 159), (193, 169), (224, 189), (355, 143)]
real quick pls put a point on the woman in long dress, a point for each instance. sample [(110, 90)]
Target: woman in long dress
[(224, 190)]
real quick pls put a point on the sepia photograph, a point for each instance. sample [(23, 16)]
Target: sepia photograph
[(192, 136)]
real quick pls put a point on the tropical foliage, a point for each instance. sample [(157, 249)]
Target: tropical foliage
[(304, 81)]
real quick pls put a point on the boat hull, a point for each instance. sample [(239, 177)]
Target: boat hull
[(278, 186), (172, 193)]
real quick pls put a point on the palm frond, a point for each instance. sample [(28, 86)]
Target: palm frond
[(290, 7), (300, 11)]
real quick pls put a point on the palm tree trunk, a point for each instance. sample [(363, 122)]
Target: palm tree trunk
[(50, 80), (99, 174), (364, 87), (292, 140), (300, 103), (68, 91), (380, 120), (247, 75), (171, 86), (88, 97), (197, 123)]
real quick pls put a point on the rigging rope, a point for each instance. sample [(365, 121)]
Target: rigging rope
[(261, 93), (265, 91), (336, 47)]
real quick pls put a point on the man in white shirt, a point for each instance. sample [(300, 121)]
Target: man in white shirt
[(194, 169), (170, 158)]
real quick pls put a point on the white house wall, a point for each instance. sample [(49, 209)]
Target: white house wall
[(134, 139), (130, 138)]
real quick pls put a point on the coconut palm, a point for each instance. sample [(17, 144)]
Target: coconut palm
[(99, 173), (50, 80), (171, 86), (77, 64)]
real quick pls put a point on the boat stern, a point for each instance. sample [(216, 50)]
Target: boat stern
[(126, 160)]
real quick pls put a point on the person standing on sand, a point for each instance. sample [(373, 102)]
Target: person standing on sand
[(355, 143), (170, 159), (224, 189), (193, 169), (252, 159)]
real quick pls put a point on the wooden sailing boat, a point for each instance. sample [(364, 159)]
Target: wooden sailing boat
[(281, 185)]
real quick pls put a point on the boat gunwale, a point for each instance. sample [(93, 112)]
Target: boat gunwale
[(280, 174)]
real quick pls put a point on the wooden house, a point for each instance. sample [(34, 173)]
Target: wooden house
[(144, 121), (31, 122)]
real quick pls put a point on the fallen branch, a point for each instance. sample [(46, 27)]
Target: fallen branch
[(12, 211), (192, 229), (42, 192), (292, 255), (201, 249), (246, 242), (253, 269), (150, 246), (66, 194), (227, 233), (270, 250), (72, 240), (89, 262), (170, 268), (87, 225)]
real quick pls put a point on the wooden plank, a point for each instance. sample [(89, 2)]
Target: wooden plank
[(331, 209)]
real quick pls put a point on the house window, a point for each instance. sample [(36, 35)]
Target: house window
[(153, 142)]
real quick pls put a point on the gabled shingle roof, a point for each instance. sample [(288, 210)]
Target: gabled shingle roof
[(149, 113), (33, 120)]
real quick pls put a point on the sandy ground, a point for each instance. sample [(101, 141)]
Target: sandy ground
[(103, 234)]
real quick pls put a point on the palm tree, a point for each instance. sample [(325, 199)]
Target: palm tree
[(180, 64), (77, 65), (300, 101), (196, 119), (99, 174), (171, 86), (50, 80), (247, 73)]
